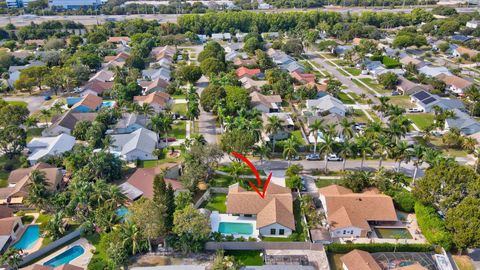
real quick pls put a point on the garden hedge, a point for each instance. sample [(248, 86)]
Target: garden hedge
[(432, 226), (378, 247)]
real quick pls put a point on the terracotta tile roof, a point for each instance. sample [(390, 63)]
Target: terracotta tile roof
[(6, 225), (38, 42), (109, 58), (68, 267), (244, 62), (257, 97), (38, 267), (345, 208), (303, 77), (456, 81), (156, 83), (18, 174), (243, 71), (159, 98), (98, 86), (359, 260), (118, 39), (356, 41), (142, 179), (90, 101), (276, 207), (463, 50), (6, 212)]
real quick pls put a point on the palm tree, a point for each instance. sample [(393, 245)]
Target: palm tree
[(290, 149), (373, 129), (274, 125), (45, 114), (134, 108), (38, 193), (345, 150), (146, 110), (469, 143), (132, 237), (364, 146), (262, 151), (11, 257), (315, 128), (235, 170), (326, 147), (347, 131), (193, 111), (382, 144), (30, 122), (400, 152), (432, 156), (418, 152), (58, 108), (55, 227)]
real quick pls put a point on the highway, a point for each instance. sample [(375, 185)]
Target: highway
[(23, 20)]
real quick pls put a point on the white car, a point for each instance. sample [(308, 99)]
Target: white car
[(334, 157)]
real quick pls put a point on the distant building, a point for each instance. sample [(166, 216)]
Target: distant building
[(74, 4), (473, 24), (17, 3)]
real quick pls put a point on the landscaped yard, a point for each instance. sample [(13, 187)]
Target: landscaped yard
[(162, 160), (343, 97), (299, 225), (246, 257), (375, 86), (21, 103), (221, 181), (353, 71), (297, 134), (402, 101), (360, 117), (180, 108), (34, 132), (217, 202), (179, 130), (327, 182), (421, 120)]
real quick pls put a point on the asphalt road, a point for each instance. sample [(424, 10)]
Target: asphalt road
[(34, 103), (23, 20), (206, 120)]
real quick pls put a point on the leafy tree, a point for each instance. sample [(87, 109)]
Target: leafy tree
[(188, 73), (236, 99), (159, 189), (126, 92), (135, 61), (211, 96), (211, 66), (192, 229), (274, 125), (80, 130), (212, 50), (238, 141), (251, 44), (12, 140), (293, 46), (12, 257), (96, 37), (290, 149), (294, 182), (357, 180), (55, 226), (182, 200), (148, 216), (263, 60), (54, 44), (11, 114), (389, 80), (132, 237), (463, 221)]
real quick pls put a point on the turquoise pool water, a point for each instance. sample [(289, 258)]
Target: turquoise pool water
[(108, 104), (29, 238), (65, 257), (235, 228), (122, 212)]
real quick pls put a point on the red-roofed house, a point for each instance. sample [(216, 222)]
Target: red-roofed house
[(246, 72), (303, 78)]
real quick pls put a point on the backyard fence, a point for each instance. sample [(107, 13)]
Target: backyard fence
[(50, 247), (263, 246), (206, 196)]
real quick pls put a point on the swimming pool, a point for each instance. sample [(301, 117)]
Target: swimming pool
[(392, 233), (122, 212), (235, 228), (108, 104), (29, 238), (66, 256)]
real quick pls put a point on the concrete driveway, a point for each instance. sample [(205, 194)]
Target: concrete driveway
[(34, 103)]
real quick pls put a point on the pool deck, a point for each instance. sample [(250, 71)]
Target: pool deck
[(80, 261), (216, 218)]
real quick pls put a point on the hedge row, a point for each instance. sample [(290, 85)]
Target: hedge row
[(378, 247), (432, 226)]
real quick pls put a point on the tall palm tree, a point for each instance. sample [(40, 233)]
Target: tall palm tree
[(346, 150), (326, 147), (382, 144), (146, 110), (315, 128), (134, 108), (132, 237), (432, 156), (418, 153), (364, 146), (469, 143), (400, 153), (45, 114), (373, 129), (274, 125), (290, 149), (262, 151), (30, 122), (347, 131), (256, 126), (38, 193), (55, 227)]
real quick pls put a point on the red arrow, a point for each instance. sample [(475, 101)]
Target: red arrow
[(257, 175)]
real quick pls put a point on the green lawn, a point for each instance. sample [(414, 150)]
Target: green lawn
[(246, 257), (371, 82), (221, 181), (7, 165), (276, 239), (180, 108), (153, 163), (402, 101), (360, 117), (297, 134), (343, 97), (34, 132), (27, 219), (181, 96), (342, 72), (320, 183), (421, 120), (21, 103), (217, 202), (179, 130), (353, 71)]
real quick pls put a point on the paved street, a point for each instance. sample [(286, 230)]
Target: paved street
[(206, 121), (34, 103)]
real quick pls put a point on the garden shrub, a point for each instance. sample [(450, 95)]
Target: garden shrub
[(404, 201), (432, 226), (378, 247)]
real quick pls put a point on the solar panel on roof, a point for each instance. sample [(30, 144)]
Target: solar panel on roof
[(421, 95), (428, 100)]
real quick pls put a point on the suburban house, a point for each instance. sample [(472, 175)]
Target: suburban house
[(66, 266), (431, 71), (331, 119), (407, 87), (303, 78), (352, 214), (461, 51), (460, 38), (6, 211), (221, 36), (157, 85), (273, 214), (89, 103), (359, 260), (251, 84), (100, 82), (140, 183), (158, 100), (14, 71), (19, 179), (464, 122), (264, 103), (411, 60), (66, 123), (247, 72), (427, 102), (138, 145), (473, 24), (244, 62), (287, 124), (324, 105), (9, 230), (163, 52), (128, 123), (152, 74), (232, 47), (49, 146), (293, 66), (123, 40), (454, 83), (118, 60), (342, 49), (270, 35), (279, 57)]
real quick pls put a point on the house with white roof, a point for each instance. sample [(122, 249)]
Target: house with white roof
[(431, 71), (138, 145), (49, 146), (427, 102), (324, 105), (473, 24), (286, 122), (153, 74)]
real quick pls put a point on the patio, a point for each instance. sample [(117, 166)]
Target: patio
[(216, 218)]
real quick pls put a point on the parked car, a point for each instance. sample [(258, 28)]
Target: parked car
[(304, 184), (334, 157), (313, 157), (395, 93), (293, 158), (414, 110), (47, 97)]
